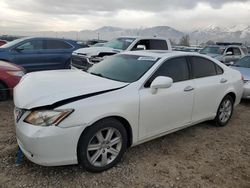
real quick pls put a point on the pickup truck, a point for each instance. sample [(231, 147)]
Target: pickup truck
[(85, 57)]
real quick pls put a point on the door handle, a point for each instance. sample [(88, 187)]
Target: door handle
[(188, 88), (223, 80)]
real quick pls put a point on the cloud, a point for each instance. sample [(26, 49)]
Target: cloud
[(65, 15), (82, 7)]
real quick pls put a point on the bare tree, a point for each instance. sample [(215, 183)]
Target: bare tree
[(185, 41)]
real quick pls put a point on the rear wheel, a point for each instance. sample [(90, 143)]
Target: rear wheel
[(4, 94), (102, 145), (225, 111)]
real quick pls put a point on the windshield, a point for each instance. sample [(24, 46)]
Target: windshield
[(12, 43), (244, 62), (119, 43), (212, 50), (124, 68)]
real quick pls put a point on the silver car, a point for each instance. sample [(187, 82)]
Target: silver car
[(225, 53), (243, 65)]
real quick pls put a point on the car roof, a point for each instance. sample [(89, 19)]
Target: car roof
[(224, 46), (144, 37), (44, 38), (160, 53)]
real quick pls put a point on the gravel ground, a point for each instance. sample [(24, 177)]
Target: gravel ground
[(199, 156)]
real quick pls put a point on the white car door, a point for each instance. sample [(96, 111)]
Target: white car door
[(210, 86), (169, 108)]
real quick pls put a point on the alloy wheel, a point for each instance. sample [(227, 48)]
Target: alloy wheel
[(225, 111), (104, 147)]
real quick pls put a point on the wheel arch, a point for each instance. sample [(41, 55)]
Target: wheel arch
[(6, 86), (122, 120), (6, 60), (231, 94)]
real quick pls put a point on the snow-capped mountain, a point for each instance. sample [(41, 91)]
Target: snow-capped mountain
[(236, 33), (109, 32)]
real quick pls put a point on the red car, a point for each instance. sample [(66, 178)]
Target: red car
[(10, 75), (2, 42)]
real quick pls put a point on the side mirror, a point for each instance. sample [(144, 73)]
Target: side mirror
[(19, 49), (231, 63), (160, 82), (229, 53), (140, 47)]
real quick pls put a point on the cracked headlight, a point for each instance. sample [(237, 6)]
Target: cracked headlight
[(47, 117), (246, 81)]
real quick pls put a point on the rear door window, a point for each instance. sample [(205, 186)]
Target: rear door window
[(202, 67), (158, 45), (57, 44)]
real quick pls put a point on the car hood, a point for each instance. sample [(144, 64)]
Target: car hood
[(94, 51), (244, 71), (49, 87)]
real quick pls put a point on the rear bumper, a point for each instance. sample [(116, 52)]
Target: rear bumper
[(246, 92)]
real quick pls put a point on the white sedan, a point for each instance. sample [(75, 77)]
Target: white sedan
[(70, 116)]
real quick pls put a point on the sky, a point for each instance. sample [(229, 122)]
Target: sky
[(76, 15)]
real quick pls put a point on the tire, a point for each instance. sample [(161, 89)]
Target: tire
[(102, 145), (225, 111), (4, 94)]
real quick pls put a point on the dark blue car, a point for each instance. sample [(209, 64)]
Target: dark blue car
[(35, 54)]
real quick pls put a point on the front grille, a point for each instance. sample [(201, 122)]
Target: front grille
[(80, 62)]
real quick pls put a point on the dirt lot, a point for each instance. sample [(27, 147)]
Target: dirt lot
[(200, 156)]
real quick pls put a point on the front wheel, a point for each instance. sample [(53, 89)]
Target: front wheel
[(225, 111), (102, 145)]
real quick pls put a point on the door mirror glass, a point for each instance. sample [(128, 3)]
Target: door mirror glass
[(140, 47), (160, 82), (229, 53)]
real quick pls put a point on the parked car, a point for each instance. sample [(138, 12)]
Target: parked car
[(35, 54), (123, 101), (225, 52), (243, 65), (94, 41), (100, 44), (10, 75), (186, 48), (86, 57), (248, 49), (2, 42)]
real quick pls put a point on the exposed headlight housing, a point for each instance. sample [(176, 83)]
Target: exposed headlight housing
[(47, 117), (245, 80), (16, 73)]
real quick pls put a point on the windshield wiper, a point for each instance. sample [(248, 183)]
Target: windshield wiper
[(97, 74)]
